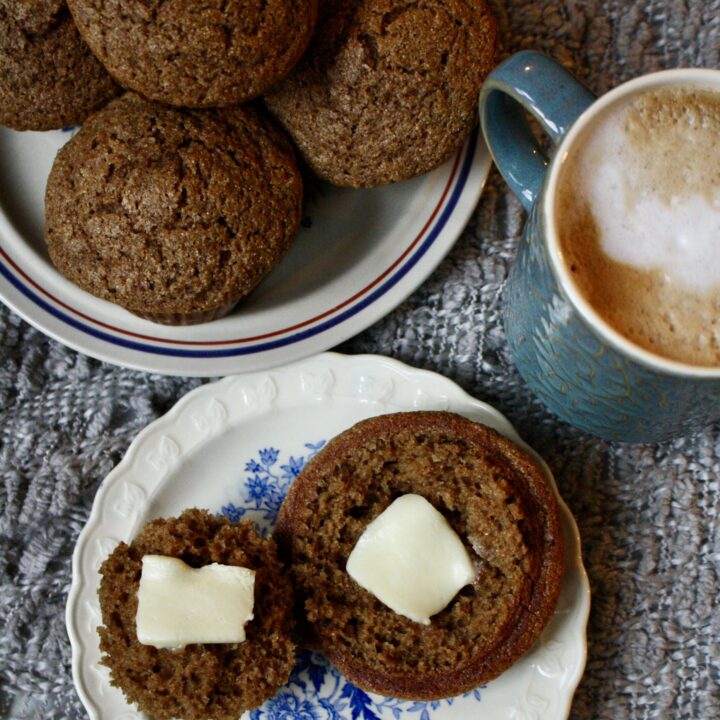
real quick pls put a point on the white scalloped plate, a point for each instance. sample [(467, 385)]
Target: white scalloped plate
[(234, 446), (364, 253)]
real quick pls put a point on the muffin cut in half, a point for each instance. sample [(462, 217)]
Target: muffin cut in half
[(200, 680), (492, 494)]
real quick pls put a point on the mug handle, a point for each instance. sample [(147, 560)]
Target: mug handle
[(533, 82)]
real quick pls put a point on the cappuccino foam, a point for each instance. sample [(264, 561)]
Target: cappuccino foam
[(638, 217)]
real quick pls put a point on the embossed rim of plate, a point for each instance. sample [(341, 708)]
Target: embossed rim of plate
[(382, 385), (134, 346)]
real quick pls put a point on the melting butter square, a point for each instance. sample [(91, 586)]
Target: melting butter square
[(411, 560), (179, 605)]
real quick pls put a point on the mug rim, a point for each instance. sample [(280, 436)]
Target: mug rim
[(661, 78)]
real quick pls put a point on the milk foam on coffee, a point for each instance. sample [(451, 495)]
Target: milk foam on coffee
[(638, 214)]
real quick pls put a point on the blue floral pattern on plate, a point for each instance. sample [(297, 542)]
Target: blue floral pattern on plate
[(265, 488), (316, 689)]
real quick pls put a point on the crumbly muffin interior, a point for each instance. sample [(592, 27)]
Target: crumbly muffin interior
[(484, 494), (202, 680)]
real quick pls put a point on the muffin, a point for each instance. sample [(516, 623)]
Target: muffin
[(387, 90), (191, 54), (493, 495), (218, 681), (173, 214), (48, 77)]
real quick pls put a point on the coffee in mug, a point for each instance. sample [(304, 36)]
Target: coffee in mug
[(637, 213), (612, 306)]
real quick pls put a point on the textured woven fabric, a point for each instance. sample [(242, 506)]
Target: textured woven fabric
[(648, 514)]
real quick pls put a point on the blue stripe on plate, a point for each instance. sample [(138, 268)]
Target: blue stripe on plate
[(280, 342)]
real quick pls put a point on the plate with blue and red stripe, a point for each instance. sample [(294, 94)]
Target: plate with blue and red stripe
[(358, 254)]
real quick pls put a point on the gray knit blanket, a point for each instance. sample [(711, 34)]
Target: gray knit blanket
[(648, 515)]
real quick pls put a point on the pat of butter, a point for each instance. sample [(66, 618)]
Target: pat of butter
[(179, 605), (411, 560)]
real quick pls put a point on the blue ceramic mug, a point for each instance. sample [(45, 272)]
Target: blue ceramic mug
[(579, 366)]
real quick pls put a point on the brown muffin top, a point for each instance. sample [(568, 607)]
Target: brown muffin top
[(196, 53), (48, 76), (387, 89), (173, 214), (493, 495), (218, 681)]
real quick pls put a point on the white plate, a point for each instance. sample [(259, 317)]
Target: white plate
[(364, 253), (234, 446)]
